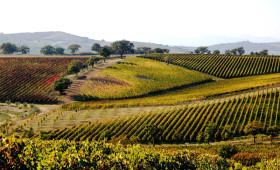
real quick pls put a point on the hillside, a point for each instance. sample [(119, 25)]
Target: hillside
[(38, 39)]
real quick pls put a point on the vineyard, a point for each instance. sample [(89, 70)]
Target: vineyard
[(224, 66), (29, 79), (134, 77), (185, 123)]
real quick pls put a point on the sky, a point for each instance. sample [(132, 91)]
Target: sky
[(172, 22)]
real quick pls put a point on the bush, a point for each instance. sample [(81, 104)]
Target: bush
[(246, 158), (61, 84), (228, 151)]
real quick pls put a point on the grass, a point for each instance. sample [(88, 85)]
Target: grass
[(134, 77)]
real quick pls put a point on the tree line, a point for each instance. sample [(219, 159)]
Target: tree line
[(235, 51), (9, 48)]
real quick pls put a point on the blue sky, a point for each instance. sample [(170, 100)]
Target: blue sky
[(173, 22)]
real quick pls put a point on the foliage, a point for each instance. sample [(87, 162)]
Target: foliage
[(74, 48), (59, 51), (123, 47), (23, 49), (247, 159), (105, 52), (273, 131), (61, 84), (227, 151), (93, 60), (38, 154), (8, 48), (143, 50), (210, 131), (201, 50), (29, 79), (216, 52), (153, 132), (95, 47), (254, 128), (75, 66), (47, 50), (224, 66), (263, 52)]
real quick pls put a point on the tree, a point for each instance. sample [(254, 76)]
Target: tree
[(216, 52), (105, 52), (143, 50), (252, 53), (23, 49), (61, 84), (8, 48), (158, 50), (202, 50), (59, 51), (92, 61), (166, 50), (75, 66), (228, 133), (74, 48), (233, 51), (95, 47), (240, 50), (264, 52), (273, 131), (254, 128), (227, 52), (153, 132), (210, 131), (123, 47), (167, 59), (47, 50)]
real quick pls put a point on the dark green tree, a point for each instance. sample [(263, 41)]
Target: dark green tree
[(202, 50), (264, 52), (143, 50), (273, 131), (233, 51), (105, 52), (122, 47), (227, 52), (158, 50), (95, 47), (252, 53), (61, 84), (154, 133), (93, 60), (216, 52), (59, 51), (8, 48), (47, 50), (210, 131), (75, 66), (23, 49), (240, 50), (254, 128), (74, 48)]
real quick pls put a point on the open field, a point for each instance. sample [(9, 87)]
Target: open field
[(224, 66), (135, 77), (27, 79)]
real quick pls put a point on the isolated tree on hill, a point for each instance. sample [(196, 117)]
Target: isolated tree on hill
[(74, 48), (8, 48), (59, 51), (154, 133), (105, 52), (202, 50), (47, 50), (227, 52), (240, 50), (61, 85), (254, 128), (122, 47), (210, 131), (95, 47), (23, 49), (264, 52), (273, 131), (92, 61), (216, 52)]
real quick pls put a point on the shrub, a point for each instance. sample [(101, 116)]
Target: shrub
[(227, 151), (246, 158)]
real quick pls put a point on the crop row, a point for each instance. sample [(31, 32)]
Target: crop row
[(28, 79), (184, 123), (224, 66)]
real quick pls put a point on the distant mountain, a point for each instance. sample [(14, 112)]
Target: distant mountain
[(61, 39), (39, 39)]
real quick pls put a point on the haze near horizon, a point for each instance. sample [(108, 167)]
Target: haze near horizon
[(177, 22)]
